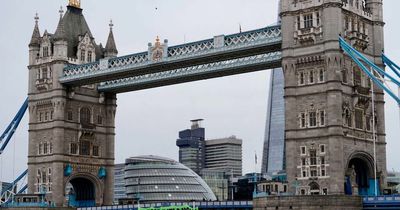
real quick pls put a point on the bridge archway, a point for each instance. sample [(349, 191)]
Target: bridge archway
[(360, 173), (83, 191)]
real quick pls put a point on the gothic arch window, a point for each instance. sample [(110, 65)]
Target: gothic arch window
[(84, 147), (344, 76), (83, 55), (321, 75), (45, 148), (314, 188), (74, 148), (322, 118), (356, 76), (312, 115), (85, 115)]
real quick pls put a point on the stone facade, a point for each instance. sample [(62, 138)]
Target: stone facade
[(331, 202), (71, 130), (328, 117)]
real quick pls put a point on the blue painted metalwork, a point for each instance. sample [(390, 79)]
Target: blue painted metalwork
[(198, 70), (68, 170), (102, 173), (354, 55), (12, 127), (21, 176), (394, 67), (381, 202), (185, 52)]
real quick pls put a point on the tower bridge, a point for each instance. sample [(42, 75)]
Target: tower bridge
[(329, 120)]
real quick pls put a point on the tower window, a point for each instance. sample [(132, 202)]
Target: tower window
[(89, 57), (45, 148), (311, 77), (45, 51), (99, 119), (85, 115), (322, 148), (321, 75), (313, 119), (84, 148), (344, 76), (69, 115), (44, 73), (357, 76), (368, 123), (95, 151), (83, 55), (74, 148), (308, 21), (301, 78), (313, 157), (298, 23), (322, 160), (302, 120), (322, 118), (359, 118), (318, 18), (303, 150)]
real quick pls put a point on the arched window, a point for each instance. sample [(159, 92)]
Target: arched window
[(85, 115), (314, 188)]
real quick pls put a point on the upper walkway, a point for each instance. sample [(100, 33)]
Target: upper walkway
[(219, 56)]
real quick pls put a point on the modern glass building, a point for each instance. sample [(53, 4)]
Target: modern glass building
[(158, 179), (119, 182), (274, 142)]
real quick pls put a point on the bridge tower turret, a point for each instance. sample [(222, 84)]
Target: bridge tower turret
[(328, 117), (71, 129)]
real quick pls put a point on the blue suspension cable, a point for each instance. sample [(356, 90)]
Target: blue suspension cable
[(365, 69), (344, 44), (14, 125), (394, 67)]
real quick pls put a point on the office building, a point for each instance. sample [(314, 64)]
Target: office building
[(224, 154), (191, 146)]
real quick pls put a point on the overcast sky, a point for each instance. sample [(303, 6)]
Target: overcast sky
[(148, 121)]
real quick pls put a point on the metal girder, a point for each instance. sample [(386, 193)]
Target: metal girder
[(194, 73), (234, 46)]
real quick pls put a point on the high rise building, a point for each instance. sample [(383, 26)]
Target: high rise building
[(274, 143), (224, 154), (191, 145), (195, 152)]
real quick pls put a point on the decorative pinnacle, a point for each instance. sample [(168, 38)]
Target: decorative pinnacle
[(111, 24), (75, 3), (36, 18), (61, 11)]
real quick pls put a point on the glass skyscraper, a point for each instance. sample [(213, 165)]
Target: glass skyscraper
[(274, 143)]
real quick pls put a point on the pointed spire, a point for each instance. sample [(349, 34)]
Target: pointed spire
[(60, 31), (111, 48), (35, 40)]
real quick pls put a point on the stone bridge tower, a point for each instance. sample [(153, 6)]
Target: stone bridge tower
[(71, 129), (328, 118)]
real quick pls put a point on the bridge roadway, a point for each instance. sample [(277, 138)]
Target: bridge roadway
[(221, 56)]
